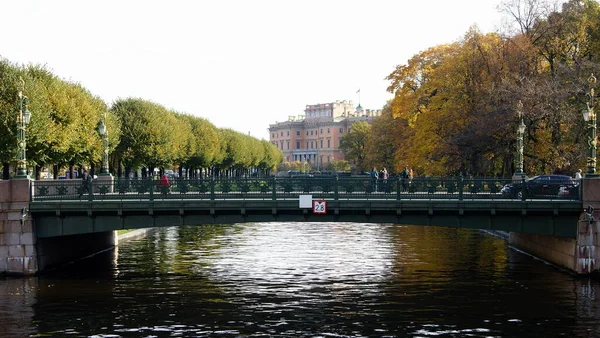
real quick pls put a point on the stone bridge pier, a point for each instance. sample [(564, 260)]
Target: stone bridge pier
[(21, 253), (18, 253), (580, 255), (587, 252)]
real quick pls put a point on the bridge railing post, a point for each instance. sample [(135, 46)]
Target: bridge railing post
[(523, 190), (336, 188), (274, 196), (151, 188), (398, 192), (90, 188), (461, 187), (212, 188)]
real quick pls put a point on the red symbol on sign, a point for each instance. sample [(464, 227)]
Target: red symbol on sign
[(319, 207)]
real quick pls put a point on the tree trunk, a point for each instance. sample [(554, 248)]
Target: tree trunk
[(71, 169), (38, 172), (5, 170)]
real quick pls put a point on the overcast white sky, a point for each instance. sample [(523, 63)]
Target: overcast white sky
[(242, 64)]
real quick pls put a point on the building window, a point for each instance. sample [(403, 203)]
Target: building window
[(297, 132), (288, 145), (281, 133), (328, 143), (311, 132), (321, 130), (321, 144), (273, 135), (306, 144), (288, 133), (341, 130), (328, 131), (307, 133), (297, 144)]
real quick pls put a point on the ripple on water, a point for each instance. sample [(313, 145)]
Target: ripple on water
[(311, 280)]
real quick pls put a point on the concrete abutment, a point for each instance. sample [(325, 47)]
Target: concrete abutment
[(18, 254), (579, 255), (21, 253)]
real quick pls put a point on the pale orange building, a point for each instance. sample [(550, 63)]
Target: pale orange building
[(315, 136)]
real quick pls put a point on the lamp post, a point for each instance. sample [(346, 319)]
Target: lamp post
[(22, 122), (521, 129), (590, 117), (104, 132)]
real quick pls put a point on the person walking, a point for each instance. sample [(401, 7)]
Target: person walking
[(383, 175), (578, 175), (164, 185), (86, 183), (405, 177), (374, 177)]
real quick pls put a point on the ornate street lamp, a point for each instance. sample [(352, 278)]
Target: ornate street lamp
[(590, 117), (22, 122), (104, 132), (519, 170)]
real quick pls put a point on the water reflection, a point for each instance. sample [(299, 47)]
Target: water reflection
[(17, 297), (304, 279)]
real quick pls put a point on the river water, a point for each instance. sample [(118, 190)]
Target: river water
[(304, 280)]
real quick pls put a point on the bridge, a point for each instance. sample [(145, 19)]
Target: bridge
[(61, 210), (68, 207)]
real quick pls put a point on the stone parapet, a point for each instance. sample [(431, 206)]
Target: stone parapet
[(107, 181)]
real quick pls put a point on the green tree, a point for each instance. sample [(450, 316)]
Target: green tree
[(354, 144), (152, 137), (203, 144), (9, 77), (383, 143)]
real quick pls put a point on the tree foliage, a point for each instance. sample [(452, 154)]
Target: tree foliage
[(355, 142), (141, 134), (457, 102)]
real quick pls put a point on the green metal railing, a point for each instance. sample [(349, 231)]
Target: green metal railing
[(274, 188)]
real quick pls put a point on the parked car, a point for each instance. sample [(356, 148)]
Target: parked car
[(547, 186)]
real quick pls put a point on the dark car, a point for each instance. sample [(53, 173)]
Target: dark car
[(545, 186)]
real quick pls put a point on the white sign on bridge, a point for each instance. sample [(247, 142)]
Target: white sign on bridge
[(305, 201)]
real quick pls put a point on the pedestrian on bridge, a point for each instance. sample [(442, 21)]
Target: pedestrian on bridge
[(383, 176), (86, 183), (374, 177), (405, 178), (164, 185)]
